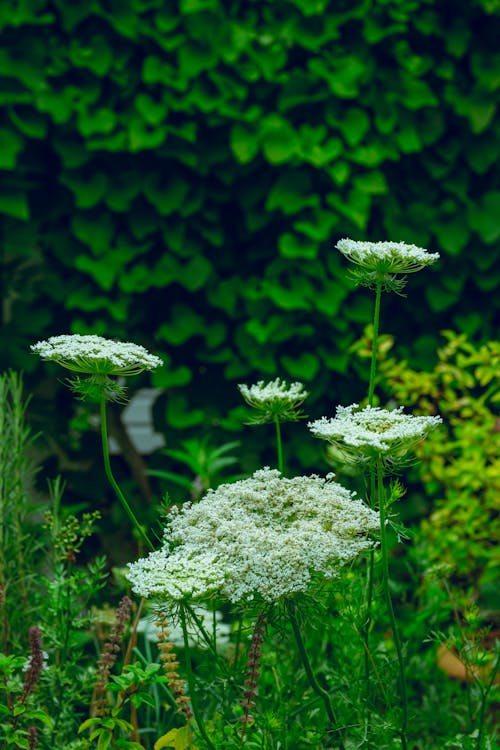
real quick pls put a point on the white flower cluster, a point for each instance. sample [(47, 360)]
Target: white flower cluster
[(266, 535), (373, 430), (276, 398), (96, 355), (387, 257)]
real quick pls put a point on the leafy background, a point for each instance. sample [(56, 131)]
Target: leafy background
[(177, 175)]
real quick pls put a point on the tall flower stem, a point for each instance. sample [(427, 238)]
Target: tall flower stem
[(190, 681), (279, 444), (371, 556), (318, 689), (373, 363), (107, 466), (388, 599)]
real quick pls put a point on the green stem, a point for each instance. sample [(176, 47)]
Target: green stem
[(484, 698), (107, 466), (369, 593), (279, 444), (390, 609), (190, 681), (373, 364), (318, 689)]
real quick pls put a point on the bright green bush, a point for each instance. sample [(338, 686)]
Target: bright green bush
[(458, 466), (175, 173)]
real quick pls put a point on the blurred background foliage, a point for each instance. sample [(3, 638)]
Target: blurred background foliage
[(176, 174)]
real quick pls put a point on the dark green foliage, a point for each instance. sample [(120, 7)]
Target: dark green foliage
[(175, 174)]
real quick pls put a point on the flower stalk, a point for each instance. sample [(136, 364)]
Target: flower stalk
[(107, 467), (388, 599), (318, 689)]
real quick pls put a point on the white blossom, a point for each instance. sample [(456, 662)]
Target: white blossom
[(373, 431), (263, 536), (275, 399), (387, 257), (96, 355)]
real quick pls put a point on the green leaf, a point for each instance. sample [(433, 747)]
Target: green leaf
[(244, 143), (304, 367), (279, 140), (101, 120), (180, 415), (179, 739), (166, 196), (292, 192), (295, 246), (11, 145), (354, 125), (88, 190), (14, 203), (94, 230), (483, 216), (152, 112)]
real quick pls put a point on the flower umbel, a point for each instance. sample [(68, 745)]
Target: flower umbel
[(98, 358), (276, 399), (373, 432), (382, 262), (263, 536)]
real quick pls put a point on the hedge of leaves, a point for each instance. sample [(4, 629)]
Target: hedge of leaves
[(176, 174)]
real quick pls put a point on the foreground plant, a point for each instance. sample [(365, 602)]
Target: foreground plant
[(376, 437), (100, 360), (261, 541)]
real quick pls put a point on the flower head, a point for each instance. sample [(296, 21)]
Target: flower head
[(263, 536), (382, 262), (372, 432), (95, 355), (98, 358), (276, 399)]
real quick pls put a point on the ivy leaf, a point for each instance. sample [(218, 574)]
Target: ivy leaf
[(483, 216), (244, 143), (11, 144), (304, 367), (14, 203)]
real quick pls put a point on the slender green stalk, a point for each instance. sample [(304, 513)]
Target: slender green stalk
[(111, 479), (373, 364), (190, 681), (279, 444), (318, 689), (484, 697), (390, 609), (371, 557)]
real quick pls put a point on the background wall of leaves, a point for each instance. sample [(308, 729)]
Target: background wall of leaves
[(176, 174)]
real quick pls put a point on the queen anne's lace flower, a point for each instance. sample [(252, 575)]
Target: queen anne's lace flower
[(383, 263), (373, 431), (387, 257), (265, 535), (96, 355), (275, 399)]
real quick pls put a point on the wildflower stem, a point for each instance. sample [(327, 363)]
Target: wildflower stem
[(484, 696), (318, 689), (390, 609), (371, 558), (111, 479), (373, 364), (279, 444), (190, 681)]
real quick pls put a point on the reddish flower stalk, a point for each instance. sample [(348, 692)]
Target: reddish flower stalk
[(35, 664), (170, 666), (253, 671), (109, 655), (32, 738)]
